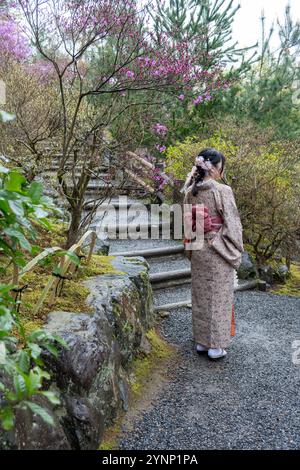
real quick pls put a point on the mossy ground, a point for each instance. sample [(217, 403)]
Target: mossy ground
[(292, 285), (111, 435), (141, 371), (73, 294), (55, 236)]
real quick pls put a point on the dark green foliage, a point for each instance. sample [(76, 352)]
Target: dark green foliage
[(22, 372)]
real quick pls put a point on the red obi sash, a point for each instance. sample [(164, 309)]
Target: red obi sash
[(211, 224)]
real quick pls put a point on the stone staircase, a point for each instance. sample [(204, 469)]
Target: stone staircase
[(128, 180)]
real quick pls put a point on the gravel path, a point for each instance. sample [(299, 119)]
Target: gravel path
[(249, 400)]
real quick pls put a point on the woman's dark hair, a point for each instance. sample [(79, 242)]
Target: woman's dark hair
[(212, 155)]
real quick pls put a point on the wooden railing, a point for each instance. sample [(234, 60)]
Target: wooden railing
[(137, 164)]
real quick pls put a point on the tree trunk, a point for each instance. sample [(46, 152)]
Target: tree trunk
[(73, 233)]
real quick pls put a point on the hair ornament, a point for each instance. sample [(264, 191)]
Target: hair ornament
[(204, 164)]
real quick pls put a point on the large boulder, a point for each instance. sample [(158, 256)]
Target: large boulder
[(282, 273), (272, 273), (266, 273), (247, 269)]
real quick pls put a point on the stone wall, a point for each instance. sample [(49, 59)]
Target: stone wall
[(91, 376)]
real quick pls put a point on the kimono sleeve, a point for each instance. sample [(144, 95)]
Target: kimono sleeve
[(228, 242)]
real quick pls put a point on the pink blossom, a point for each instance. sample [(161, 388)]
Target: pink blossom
[(130, 74), (12, 42), (181, 97), (160, 129), (160, 148), (198, 100), (159, 179)]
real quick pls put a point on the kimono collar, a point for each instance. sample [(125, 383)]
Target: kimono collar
[(206, 184)]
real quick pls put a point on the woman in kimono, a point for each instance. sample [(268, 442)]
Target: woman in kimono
[(213, 265)]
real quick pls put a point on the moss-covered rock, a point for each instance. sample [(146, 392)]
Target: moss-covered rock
[(93, 374), (73, 295)]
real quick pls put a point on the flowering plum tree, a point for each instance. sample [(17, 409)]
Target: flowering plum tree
[(12, 42)]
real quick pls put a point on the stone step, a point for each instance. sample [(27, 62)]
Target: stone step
[(125, 206), (106, 206), (186, 274), (172, 283), (93, 188), (154, 252), (101, 192), (172, 306), (172, 297), (116, 200), (172, 294), (170, 275), (100, 177), (55, 157), (102, 185), (124, 217), (110, 216), (119, 207), (117, 246), (123, 228), (55, 166), (250, 284)]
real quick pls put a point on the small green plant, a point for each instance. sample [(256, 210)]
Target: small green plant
[(127, 328)]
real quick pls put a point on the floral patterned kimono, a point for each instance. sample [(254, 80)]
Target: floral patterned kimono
[(213, 266)]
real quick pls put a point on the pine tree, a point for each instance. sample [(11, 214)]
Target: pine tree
[(270, 94), (209, 20)]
